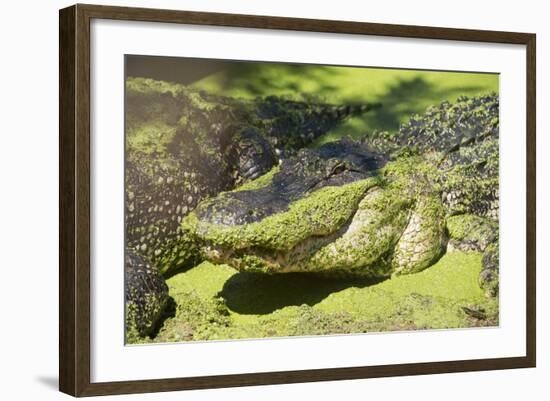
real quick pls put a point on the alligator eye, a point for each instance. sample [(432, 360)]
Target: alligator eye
[(255, 155)]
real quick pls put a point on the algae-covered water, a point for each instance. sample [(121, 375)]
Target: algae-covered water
[(215, 302)]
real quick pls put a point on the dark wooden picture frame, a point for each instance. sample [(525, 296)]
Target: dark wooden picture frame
[(74, 202)]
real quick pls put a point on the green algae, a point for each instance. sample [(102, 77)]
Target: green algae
[(151, 137), (217, 302)]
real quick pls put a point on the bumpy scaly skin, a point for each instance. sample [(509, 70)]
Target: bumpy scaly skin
[(471, 233), (464, 137), (184, 145), (346, 208), (488, 278), (146, 295)]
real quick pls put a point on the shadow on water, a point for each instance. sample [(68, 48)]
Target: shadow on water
[(260, 79), (407, 97), (257, 293), (397, 102)]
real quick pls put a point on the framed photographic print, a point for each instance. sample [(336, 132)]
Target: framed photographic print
[(251, 200)]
